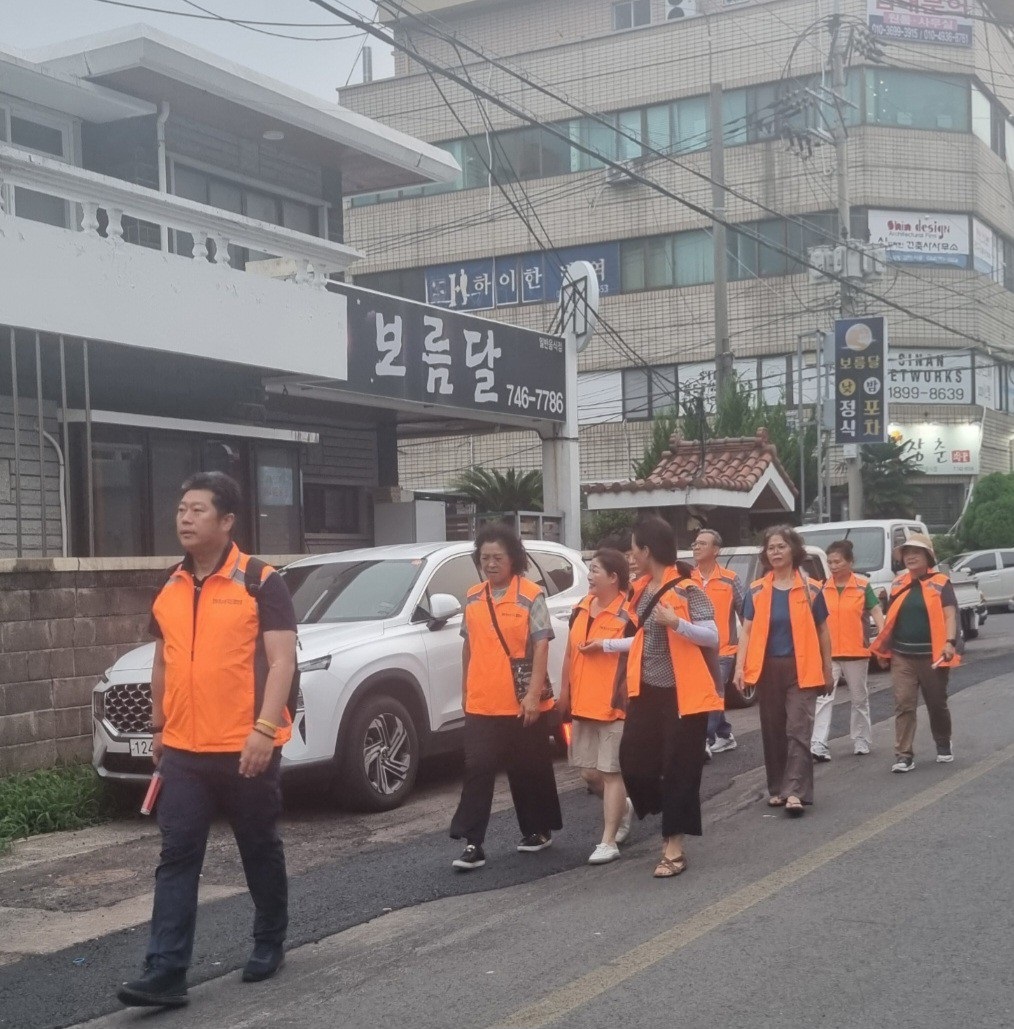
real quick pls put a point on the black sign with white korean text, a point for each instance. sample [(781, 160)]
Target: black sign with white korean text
[(416, 352), (860, 400)]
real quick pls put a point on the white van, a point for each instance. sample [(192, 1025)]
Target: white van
[(873, 540)]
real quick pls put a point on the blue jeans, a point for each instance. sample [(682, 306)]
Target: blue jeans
[(718, 724), (195, 788)]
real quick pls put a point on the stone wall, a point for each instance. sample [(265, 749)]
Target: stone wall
[(63, 622)]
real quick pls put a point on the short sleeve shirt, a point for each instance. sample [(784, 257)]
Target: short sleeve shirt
[(539, 625), (780, 628)]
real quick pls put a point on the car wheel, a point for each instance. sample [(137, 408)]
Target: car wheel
[(736, 698), (378, 755), (969, 624)]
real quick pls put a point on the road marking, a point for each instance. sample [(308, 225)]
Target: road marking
[(606, 977)]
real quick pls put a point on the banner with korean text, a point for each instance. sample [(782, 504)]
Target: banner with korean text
[(860, 400)]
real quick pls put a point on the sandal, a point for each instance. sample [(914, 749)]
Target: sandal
[(776, 802), (669, 868), (794, 808)]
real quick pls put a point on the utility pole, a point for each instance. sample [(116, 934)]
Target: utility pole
[(853, 465), (723, 356)]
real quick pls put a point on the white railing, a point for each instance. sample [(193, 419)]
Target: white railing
[(313, 259)]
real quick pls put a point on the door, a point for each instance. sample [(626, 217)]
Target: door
[(455, 576), (1007, 575), (986, 571)]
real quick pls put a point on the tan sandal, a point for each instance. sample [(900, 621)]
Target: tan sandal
[(776, 802), (669, 868)]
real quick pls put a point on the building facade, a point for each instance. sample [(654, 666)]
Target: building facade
[(169, 226), (927, 103)]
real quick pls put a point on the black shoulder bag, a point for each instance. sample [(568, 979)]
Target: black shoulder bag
[(521, 667)]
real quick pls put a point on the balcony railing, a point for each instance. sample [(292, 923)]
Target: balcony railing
[(212, 230)]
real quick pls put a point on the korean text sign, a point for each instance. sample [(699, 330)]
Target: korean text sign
[(860, 400), (410, 351)]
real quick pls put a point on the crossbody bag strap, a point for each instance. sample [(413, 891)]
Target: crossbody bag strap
[(496, 624), (665, 587)]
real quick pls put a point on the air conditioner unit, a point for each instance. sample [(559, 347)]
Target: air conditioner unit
[(619, 176), (678, 9)]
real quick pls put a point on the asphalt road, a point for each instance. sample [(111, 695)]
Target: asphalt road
[(859, 912)]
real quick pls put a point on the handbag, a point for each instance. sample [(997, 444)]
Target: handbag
[(521, 667)]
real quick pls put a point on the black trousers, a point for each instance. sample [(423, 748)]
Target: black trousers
[(492, 743), (662, 758)]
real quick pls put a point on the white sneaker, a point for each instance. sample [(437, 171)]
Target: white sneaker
[(623, 830), (707, 751), (603, 854), (723, 743), (861, 748), (819, 751)]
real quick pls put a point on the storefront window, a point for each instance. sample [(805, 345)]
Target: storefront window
[(917, 101)]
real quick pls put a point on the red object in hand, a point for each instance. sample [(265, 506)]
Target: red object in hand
[(567, 729), (151, 796)]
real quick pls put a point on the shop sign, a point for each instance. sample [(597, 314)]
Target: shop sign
[(920, 237), (942, 22), (409, 351), (860, 400), (941, 449)]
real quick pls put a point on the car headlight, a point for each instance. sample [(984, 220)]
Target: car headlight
[(98, 705), (318, 664)]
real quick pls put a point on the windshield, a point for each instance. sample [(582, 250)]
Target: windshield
[(867, 541), (350, 591)]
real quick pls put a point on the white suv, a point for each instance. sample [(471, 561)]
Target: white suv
[(380, 663)]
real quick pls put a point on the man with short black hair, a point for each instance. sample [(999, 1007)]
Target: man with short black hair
[(223, 672), (725, 591)]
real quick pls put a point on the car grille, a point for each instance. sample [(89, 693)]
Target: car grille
[(128, 707)]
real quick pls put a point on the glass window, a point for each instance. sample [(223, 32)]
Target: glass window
[(277, 500), (744, 261), (659, 126), (119, 471), (33, 136), (331, 508), (659, 262), (695, 262), (172, 461), (299, 217), (981, 563), (600, 138), (257, 205), (455, 577), (632, 271), (636, 394), (691, 119), (38, 207), (628, 140), (772, 261), (354, 591), (761, 104), (917, 101), (734, 116), (868, 543), (631, 13), (1007, 558), (982, 115), (558, 571), (555, 154), (664, 393)]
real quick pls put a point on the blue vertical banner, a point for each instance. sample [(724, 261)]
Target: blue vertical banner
[(860, 397)]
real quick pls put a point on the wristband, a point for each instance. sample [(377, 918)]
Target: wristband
[(267, 725), (269, 735)]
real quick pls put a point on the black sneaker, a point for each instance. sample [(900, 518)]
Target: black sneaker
[(944, 755), (471, 857), (265, 960), (903, 764), (156, 989), (535, 841)]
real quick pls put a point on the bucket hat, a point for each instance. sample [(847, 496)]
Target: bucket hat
[(920, 540)]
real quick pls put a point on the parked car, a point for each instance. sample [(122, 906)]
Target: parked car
[(745, 562), (380, 663), (994, 572)]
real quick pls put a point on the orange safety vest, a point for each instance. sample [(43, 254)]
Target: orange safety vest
[(696, 677), (805, 640), (720, 589), (598, 681), (489, 684), (846, 618), (932, 590), (209, 639)]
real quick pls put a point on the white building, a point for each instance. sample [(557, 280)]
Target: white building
[(931, 153), (168, 228)]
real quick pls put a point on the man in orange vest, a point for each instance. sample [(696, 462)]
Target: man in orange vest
[(725, 591), (224, 667)]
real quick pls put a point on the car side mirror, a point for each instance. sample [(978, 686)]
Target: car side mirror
[(442, 607)]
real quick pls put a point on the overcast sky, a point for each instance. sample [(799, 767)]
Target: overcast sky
[(318, 67)]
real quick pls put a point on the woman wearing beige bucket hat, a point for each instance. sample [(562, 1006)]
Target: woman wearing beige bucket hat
[(920, 640)]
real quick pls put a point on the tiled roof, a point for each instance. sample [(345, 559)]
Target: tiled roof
[(733, 463)]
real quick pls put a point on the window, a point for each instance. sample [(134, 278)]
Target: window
[(330, 508), (455, 577), (409, 283), (50, 138), (43, 139), (917, 101), (648, 391), (743, 256), (1007, 558), (558, 571), (981, 563), (631, 14), (691, 120), (694, 258)]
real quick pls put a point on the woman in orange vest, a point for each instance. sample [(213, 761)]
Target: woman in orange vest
[(920, 639), (850, 602), (785, 649), (505, 695), (593, 688), (672, 670)]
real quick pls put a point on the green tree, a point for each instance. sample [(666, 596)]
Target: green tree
[(491, 490), (989, 519), (888, 471), (602, 525), (664, 424)]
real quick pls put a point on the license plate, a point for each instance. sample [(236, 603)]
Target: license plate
[(140, 748)]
